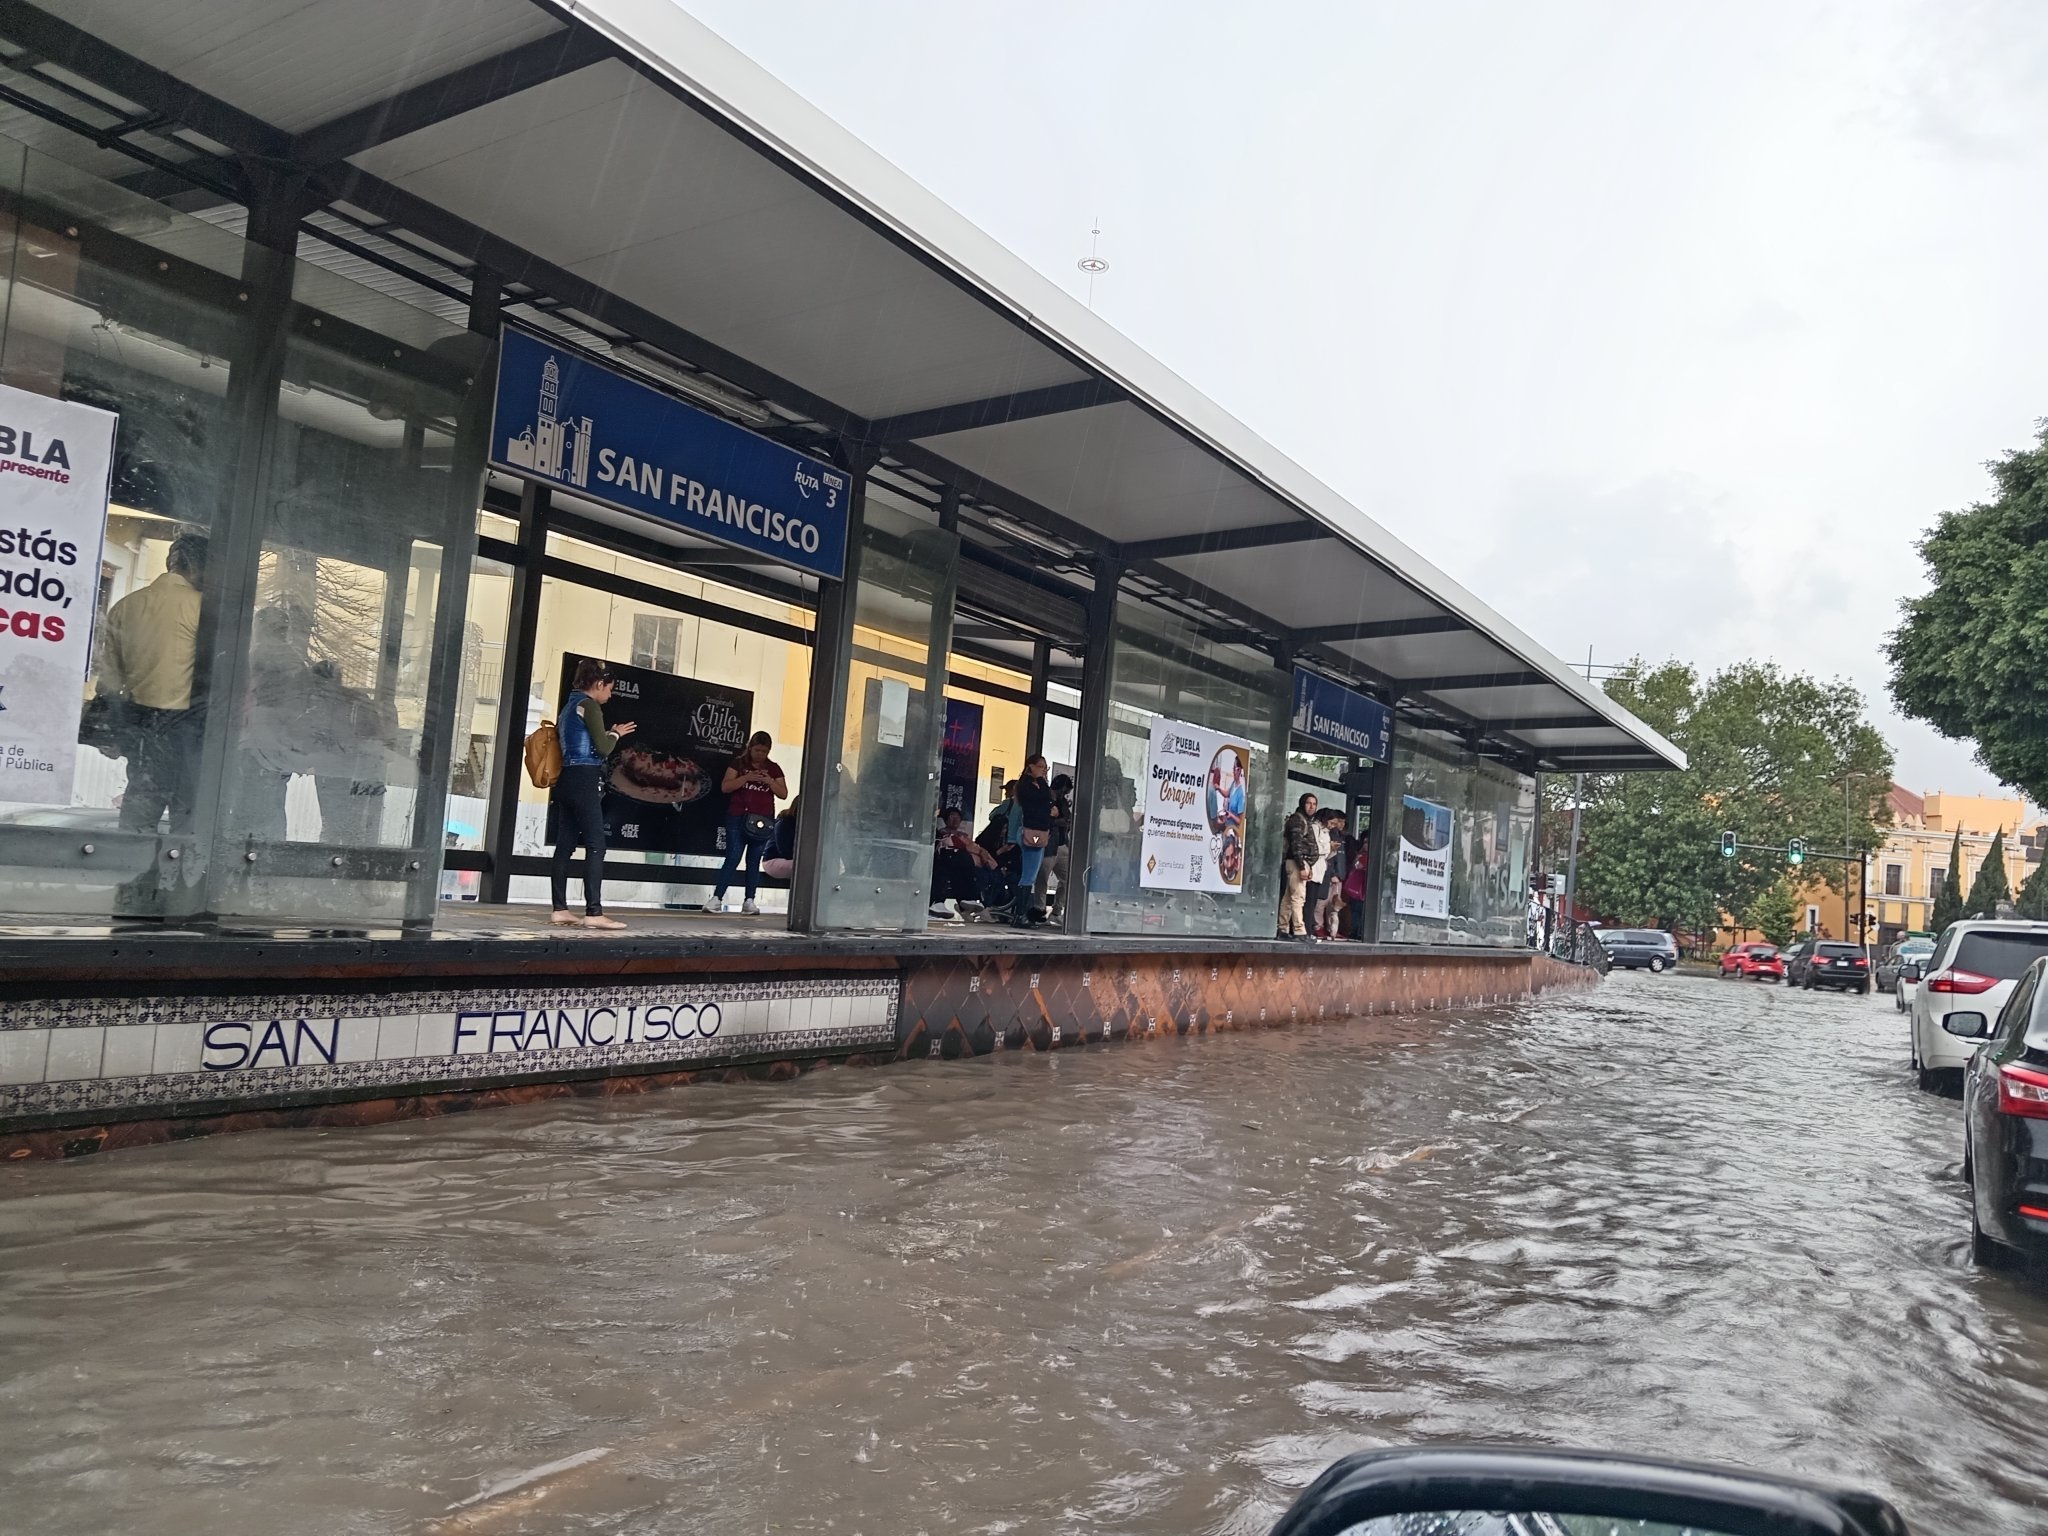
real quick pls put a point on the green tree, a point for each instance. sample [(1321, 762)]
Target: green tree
[(1772, 755), (1948, 901), (1774, 913), (2033, 900), (1991, 886), (1971, 655)]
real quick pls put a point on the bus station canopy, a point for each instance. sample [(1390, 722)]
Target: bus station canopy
[(635, 184)]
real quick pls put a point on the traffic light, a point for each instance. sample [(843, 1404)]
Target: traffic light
[(1795, 851), (1727, 845)]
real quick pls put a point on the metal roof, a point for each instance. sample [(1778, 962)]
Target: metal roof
[(620, 168)]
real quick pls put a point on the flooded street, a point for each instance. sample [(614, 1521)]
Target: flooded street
[(1150, 1288)]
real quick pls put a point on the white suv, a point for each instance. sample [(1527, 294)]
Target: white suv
[(1973, 969)]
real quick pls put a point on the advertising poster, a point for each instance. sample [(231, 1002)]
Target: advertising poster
[(960, 758), (664, 795), (1422, 888), (1197, 788), (55, 460)]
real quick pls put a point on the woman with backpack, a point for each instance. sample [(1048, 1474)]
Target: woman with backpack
[(752, 784), (579, 795)]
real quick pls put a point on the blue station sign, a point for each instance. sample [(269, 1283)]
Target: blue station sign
[(572, 422), (1341, 717)]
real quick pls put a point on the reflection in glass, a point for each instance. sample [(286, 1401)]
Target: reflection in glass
[(883, 794), (1161, 668), (1454, 852)]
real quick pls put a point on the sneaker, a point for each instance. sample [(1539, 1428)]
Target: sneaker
[(608, 924), (750, 909), (717, 904), (938, 909)]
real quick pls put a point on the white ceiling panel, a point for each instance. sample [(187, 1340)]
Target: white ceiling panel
[(661, 206), (1457, 653), (298, 63), (1116, 469), (1304, 585)]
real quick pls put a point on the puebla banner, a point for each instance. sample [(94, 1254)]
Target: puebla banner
[(1197, 791), (55, 463), (563, 418)]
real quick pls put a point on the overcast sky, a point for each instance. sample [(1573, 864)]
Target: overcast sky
[(1665, 328)]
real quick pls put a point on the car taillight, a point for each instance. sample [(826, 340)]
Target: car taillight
[(2023, 1091), (1960, 981), (1862, 964)]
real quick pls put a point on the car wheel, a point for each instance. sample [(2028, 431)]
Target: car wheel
[(1863, 990), (1656, 962)]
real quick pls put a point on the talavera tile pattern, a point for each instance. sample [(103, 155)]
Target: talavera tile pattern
[(73, 1056)]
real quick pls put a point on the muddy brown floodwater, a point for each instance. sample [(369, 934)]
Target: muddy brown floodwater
[(1146, 1288)]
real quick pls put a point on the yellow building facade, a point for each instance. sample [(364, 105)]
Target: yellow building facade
[(1908, 870)]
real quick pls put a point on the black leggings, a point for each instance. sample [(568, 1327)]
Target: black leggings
[(579, 817)]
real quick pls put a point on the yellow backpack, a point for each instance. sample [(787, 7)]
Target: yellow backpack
[(544, 755)]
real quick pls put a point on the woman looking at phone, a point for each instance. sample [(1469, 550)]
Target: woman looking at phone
[(752, 785)]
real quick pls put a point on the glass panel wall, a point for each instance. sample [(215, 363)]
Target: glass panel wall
[(877, 827), (91, 317), (1454, 847), (1163, 669), (308, 742)]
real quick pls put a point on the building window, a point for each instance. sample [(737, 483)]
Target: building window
[(1936, 878), (655, 637), (1813, 919), (1894, 880)]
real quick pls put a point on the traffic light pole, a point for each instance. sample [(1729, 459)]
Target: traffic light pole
[(1797, 853)]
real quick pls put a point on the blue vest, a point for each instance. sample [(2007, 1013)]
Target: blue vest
[(578, 750)]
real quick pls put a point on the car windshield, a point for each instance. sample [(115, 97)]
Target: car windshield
[(1837, 951), (1916, 949), (1762, 952), (2003, 955)]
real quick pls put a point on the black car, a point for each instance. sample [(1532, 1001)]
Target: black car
[(1836, 964), (1640, 948), (2005, 1123)]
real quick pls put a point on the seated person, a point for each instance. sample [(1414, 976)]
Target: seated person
[(955, 858)]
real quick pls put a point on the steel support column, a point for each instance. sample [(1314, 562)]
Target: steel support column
[(1034, 720), (1383, 849), (234, 543), (451, 612), (522, 626), (825, 708), (1093, 744)]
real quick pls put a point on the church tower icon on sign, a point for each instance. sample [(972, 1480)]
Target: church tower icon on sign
[(553, 447)]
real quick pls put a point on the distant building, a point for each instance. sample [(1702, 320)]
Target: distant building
[(1907, 870)]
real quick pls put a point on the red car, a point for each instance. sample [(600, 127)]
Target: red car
[(1753, 962)]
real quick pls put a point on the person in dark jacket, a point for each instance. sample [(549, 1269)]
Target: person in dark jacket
[(579, 794), (1298, 845), (1034, 832)]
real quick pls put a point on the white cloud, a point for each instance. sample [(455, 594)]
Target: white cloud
[(1668, 328)]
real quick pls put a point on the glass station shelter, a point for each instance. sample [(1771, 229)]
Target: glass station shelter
[(405, 352)]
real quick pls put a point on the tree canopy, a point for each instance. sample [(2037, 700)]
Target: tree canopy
[(1948, 901), (1772, 756), (1990, 887), (1971, 655)]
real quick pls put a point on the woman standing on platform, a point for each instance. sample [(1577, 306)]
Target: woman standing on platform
[(1034, 833), (753, 783), (579, 794)]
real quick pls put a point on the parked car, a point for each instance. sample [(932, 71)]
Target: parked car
[(1793, 955), (1753, 962), (1900, 958), (1833, 963), (1640, 948), (1975, 966), (2005, 1119)]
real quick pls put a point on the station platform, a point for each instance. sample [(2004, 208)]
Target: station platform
[(126, 1034)]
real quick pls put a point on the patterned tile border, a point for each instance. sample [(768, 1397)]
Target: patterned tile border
[(126, 1054)]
